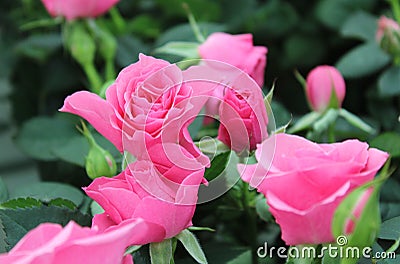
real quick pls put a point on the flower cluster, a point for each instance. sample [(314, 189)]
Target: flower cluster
[(146, 114)]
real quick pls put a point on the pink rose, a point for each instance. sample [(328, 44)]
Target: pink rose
[(237, 50), (149, 103), (321, 82), (167, 207), (307, 181), (71, 9), (243, 119), (51, 243)]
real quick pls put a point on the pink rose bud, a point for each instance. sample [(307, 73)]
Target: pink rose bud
[(388, 35), (72, 9), (237, 50), (325, 88)]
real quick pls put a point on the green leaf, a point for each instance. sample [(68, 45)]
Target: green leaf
[(304, 122), (389, 142), (390, 229), (132, 249), (95, 208), (3, 243), (196, 125), (184, 32), (27, 202), (192, 246), (47, 191), (245, 257), (187, 50), (281, 115), (17, 222), (40, 46), (389, 82), (217, 167), (39, 136), (356, 121), (360, 25), (262, 210), (74, 151), (62, 203), (3, 191), (161, 253), (128, 49), (334, 13), (362, 60)]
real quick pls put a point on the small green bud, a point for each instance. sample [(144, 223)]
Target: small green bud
[(80, 43), (99, 162)]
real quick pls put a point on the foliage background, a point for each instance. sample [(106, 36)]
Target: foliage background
[(36, 74)]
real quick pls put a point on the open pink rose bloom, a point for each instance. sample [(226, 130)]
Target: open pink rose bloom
[(304, 182)]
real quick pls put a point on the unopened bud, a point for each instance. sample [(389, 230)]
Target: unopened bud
[(388, 36), (99, 162)]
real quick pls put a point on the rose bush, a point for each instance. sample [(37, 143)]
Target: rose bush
[(72, 9), (307, 181), (322, 81), (51, 243)]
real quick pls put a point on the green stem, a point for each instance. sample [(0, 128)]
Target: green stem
[(117, 19), (250, 218), (395, 4), (193, 24), (110, 70), (331, 133), (93, 77)]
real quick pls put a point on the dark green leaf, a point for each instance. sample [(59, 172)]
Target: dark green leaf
[(128, 50), (39, 136), (362, 60), (360, 25), (184, 32), (47, 191), (262, 210), (218, 165), (74, 151), (196, 125), (63, 203), (17, 222), (243, 258), (389, 82), (187, 50), (3, 239), (334, 13), (26, 202), (390, 229), (39, 46), (3, 191), (388, 141)]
